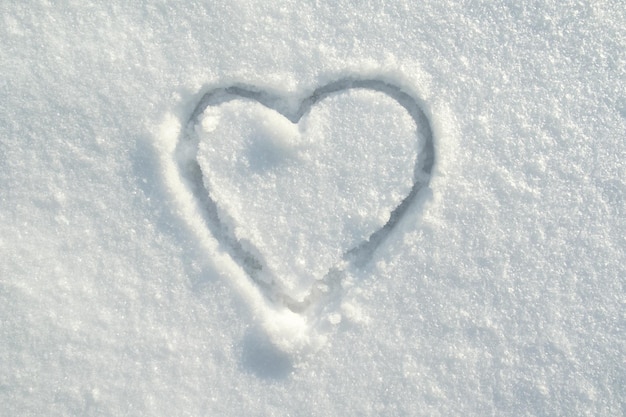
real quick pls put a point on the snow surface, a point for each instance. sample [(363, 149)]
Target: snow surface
[(133, 282), (304, 194)]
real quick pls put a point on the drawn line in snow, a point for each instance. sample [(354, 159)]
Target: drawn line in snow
[(359, 255)]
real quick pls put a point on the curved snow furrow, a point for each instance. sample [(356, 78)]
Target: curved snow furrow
[(245, 255)]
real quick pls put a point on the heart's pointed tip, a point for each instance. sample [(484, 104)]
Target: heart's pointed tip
[(291, 333)]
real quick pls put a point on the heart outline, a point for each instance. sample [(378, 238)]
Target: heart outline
[(190, 170)]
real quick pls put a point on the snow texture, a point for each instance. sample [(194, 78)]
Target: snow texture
[(313, 208)]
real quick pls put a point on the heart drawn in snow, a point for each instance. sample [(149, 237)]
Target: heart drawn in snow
[(299, 191)]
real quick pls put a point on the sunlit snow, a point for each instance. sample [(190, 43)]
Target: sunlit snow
[(386, 208)]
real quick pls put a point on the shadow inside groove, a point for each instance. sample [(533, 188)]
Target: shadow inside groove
[(249, 258)]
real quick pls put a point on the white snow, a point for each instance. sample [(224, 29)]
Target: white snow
[(165, 255), (304, 194)]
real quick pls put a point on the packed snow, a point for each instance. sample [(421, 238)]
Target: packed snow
[(313, 208)]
